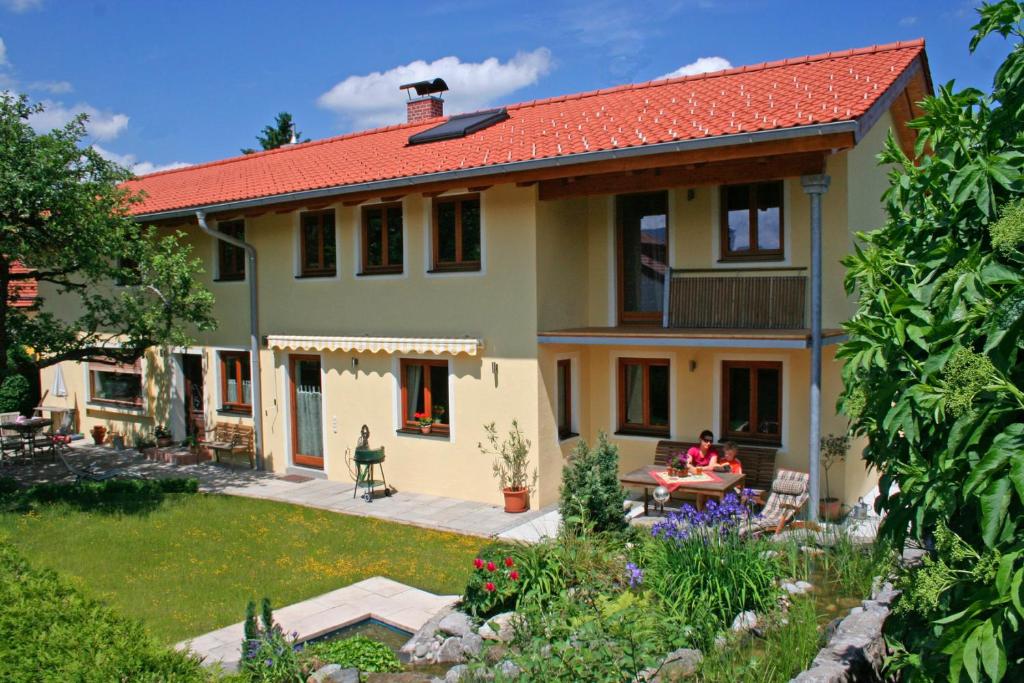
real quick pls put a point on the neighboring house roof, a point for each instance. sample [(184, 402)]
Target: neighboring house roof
[(788, 95), (21, 293)]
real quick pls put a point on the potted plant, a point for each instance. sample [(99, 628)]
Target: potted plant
[(117, 440), (438, 414), (163, 436), (191, 443), (99, 434), (424, 420), (511, 461), (833, 451)]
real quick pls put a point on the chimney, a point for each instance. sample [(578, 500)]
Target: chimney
[(423, 108), (428, 103)]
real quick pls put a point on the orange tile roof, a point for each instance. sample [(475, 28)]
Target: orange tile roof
[(21, 293), (832, 87)]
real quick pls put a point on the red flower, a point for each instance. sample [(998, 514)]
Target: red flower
[(491, 566), (478, 563), (489, 587), (508, 562), (514, 575)]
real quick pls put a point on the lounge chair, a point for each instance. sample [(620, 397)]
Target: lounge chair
[(90, 473), (787, 497)]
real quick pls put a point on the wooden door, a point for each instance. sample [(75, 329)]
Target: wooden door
[(195, 418), (306, 411)]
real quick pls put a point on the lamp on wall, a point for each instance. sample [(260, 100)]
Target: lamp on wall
[(693, 365), (355, 363), (494, 371)]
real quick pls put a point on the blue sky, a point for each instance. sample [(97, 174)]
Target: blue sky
[(188, 81)]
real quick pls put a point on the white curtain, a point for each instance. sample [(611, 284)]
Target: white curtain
[(310, 425), (634, 394), (413, 384)]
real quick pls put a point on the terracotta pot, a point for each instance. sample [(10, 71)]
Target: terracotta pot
[(99, 434), (425, 429), (517, 500), (164, 441), (829, 509)]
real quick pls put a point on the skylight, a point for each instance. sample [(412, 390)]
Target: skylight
[(460, 126)]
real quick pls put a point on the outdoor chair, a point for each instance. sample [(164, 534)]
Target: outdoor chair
[(11, 443), (787, 497), (90, 473)]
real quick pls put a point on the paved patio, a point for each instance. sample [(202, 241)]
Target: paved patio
[(378, 598), (432, 512)]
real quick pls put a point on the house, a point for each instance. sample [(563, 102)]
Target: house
[(637, 260)]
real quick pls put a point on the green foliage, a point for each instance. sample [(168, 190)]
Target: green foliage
[(591, 495), (833, 452), (65, 213), (495, 584), (268, 655), (933, 369), (111, 496), (50, 632), (511, 458), (15, 394), (359, 652), (278, 134)]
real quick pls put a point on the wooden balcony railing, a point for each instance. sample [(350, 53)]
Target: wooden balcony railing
[(748, 298)]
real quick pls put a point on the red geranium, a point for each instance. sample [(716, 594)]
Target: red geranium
[(509, 562), (478, 563), (514, 575), (491, 566), (489, 587)]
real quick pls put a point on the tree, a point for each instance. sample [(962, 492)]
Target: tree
[(591, 496), (65, 214), (934, 374), (277, 135)]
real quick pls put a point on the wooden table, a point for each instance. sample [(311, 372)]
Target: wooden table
[(703, 490)]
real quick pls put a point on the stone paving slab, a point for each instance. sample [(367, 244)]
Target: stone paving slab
[(378, 598)]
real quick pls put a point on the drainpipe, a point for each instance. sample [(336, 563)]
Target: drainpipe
[(815, 186), (254, 332)]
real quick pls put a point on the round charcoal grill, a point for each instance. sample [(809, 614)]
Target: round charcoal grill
[(369, 463)]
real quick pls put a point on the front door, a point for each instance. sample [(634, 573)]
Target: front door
[(307, 411), (195, 420)]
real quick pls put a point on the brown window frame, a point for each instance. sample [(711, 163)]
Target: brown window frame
[(754, 253), (637, 317), (386, 267), (239, 360), (646, 428), (231, 259), (753, 435), (321, 269), (411, 426), (116, 368), (564, 430), (458, 265)]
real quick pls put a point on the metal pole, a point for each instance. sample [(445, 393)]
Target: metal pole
[(815, 186), (254, 333)]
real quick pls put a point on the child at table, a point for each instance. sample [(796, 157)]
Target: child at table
[(730, 463)]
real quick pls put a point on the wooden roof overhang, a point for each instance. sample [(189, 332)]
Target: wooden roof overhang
[(660, 337)]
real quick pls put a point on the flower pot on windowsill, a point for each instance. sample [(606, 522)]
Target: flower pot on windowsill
[(829, 509), (425, 429), (517, 500)]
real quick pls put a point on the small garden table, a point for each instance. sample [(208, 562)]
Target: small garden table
[(28, 430), (703, 490)]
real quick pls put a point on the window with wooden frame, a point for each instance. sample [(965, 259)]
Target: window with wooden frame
[(641, 255), (752, 401), (563, 409), (644, 399), (117, 384), (425, 395), (231, 259), (317, 251), (457, 233), (235, 382), (752, 226), (382, 239)]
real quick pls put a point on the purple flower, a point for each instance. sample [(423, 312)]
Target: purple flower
[(269, 662), (634, 574)]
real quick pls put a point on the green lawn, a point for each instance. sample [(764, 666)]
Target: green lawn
[(190, 565)]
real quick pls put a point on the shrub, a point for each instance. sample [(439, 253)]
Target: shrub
[(268, 655), (591, 495), (359, 652), (494, 585), (15, 394), (49, 631), (113, 495)]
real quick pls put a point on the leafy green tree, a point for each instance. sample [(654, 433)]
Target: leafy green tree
[(591, 495), (64, 214), (277, 135), (934, 375)]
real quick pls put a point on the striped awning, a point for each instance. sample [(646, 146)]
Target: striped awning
[(376, 344)]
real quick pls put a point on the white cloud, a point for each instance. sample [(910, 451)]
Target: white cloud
[(3, 53), (19, 6), (374, 99), (700, 66), (102, 125), (52, 87), (137, 167), (908, 21)]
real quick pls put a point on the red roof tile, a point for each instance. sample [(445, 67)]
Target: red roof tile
[(21, 293), (832, 87)]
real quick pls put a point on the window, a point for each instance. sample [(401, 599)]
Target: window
[(644, 403), (317, 255), (642, 255), (231, 259), (425, 390), (752, 221), (382, 239), (564, 399), (118, 384), (457, 233), (235, 382), (752, 401)]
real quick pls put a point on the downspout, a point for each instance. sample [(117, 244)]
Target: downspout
[(254, 331), (815, 186)]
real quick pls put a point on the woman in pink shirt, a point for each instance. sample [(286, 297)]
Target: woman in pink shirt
[(703, 454)]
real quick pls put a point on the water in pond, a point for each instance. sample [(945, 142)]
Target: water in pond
[(393, 637)]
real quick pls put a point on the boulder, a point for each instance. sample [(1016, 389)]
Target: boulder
[(791, 588), (456, 624), (508, 668), (804, 586), (498, 627), (451, 651), (682, 663), (744, 621), (472, 644), (455, 673), (333, 673)]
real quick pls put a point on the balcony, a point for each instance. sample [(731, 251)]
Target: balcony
[(736, 299)]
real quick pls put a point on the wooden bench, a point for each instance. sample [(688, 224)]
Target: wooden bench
[(758, 461), (233, 439)]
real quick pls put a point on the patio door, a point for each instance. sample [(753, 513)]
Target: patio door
[(307, 411), (195, 416), (642, 258)]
